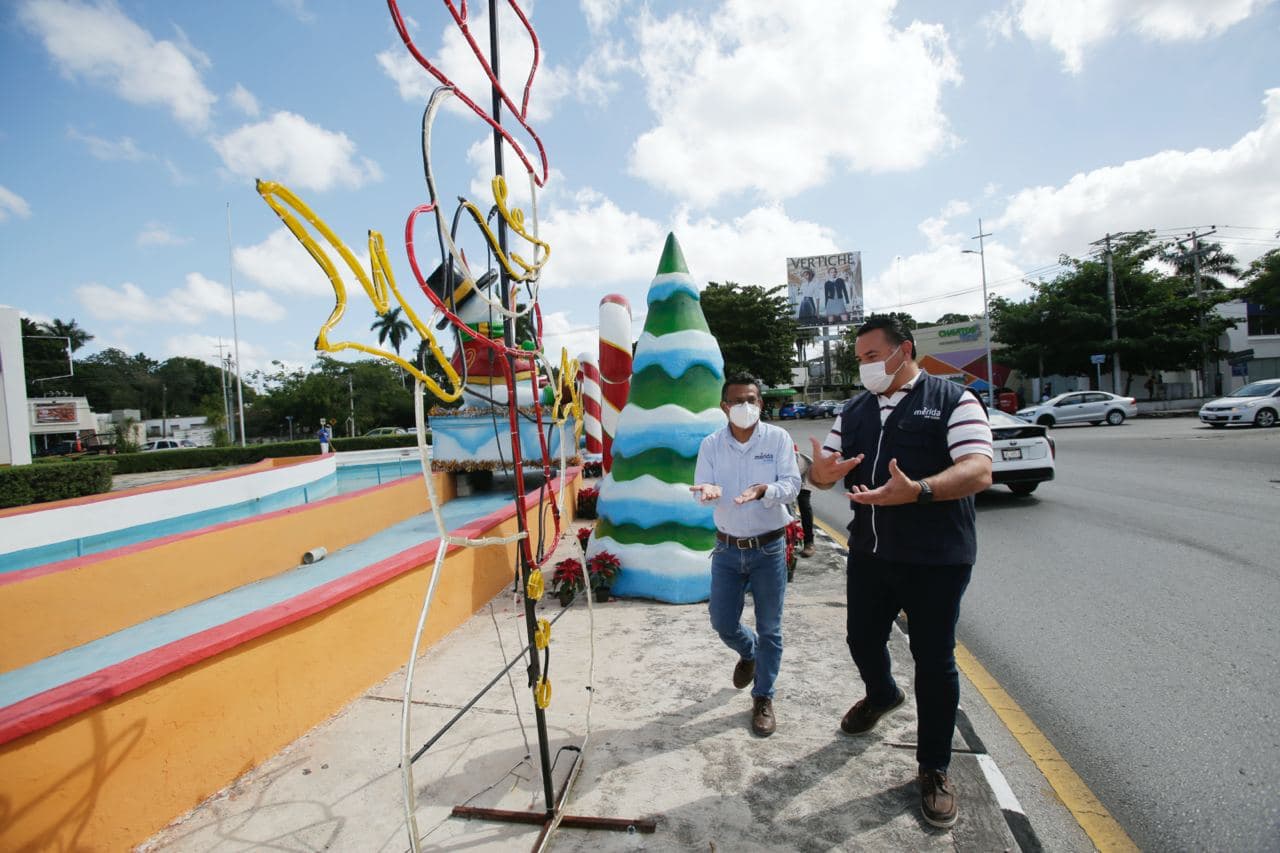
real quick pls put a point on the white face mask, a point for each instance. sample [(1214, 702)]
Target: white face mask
[(876, 379), (744, 415)]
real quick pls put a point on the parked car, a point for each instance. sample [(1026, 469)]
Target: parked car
[(1023, 453), (824, 408), (167, 444), (1076, 407), (385, 431), (1256, 403), (793, 411)]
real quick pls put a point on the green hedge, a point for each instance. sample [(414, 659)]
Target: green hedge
[(218, 457), (55, 481)]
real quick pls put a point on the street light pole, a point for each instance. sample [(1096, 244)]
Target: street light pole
[(986, 311), (235, 329), (289, 418)]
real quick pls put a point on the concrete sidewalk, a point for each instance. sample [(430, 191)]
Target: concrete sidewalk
[(669, 739)]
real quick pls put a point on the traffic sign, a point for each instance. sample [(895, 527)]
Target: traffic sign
[(1097, 359)]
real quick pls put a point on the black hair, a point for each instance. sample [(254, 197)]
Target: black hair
[(893, 329), (739, 379)]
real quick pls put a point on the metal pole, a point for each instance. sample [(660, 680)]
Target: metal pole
[(509, 338), (226, 401), (1205, 381), (235, 329), (986, 310), (351, 398)]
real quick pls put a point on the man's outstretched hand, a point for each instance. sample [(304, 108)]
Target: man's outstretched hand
[(900, 489), (828, 468), (706, 492)]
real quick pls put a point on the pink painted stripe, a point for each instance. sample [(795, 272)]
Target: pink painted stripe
[(125, 550), (66, 700)]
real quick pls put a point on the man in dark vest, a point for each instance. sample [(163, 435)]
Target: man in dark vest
[(912, 451)]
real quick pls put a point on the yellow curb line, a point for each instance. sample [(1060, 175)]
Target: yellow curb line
[(1103, 829)]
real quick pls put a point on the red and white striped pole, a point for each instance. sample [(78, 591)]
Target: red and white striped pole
[(615, 366), (589, 375)]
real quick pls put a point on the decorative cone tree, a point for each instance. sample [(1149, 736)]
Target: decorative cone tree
[(647, 516)]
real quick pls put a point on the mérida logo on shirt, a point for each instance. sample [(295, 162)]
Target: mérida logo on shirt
[(926, 412)]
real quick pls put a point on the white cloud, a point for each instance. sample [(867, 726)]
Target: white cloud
[(198, 298), (205, 348), (297, 8), (100, 43), (600, 13), (456, 60), (281, 264), (1237, 185), (1071, 28), (772, 97), (12, 204), (244, 101), (156, 234), (559, 332), (290, 149), (595, 81), (104, 149)]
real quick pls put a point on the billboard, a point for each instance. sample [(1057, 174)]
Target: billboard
[(826, 290), (56, 413)]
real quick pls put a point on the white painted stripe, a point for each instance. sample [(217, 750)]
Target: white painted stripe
[(684, 340), (46, 526), (668, 415), (999, 785)]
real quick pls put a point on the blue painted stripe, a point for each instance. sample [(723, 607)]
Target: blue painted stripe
[(91, 657), (623, 510), (660, 586), (684, 440), (667, 289), (677, 362)]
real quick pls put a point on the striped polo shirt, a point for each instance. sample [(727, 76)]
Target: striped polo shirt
[(968, 430)]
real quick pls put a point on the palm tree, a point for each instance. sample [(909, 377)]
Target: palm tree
[(68, 329), (1213, 263), (391, 326)]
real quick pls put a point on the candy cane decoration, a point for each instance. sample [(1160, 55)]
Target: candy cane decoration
[(590, 374), (615, 367)]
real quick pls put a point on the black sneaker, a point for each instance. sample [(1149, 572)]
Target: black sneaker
[(863, 716), (937, 799), (744, 672)]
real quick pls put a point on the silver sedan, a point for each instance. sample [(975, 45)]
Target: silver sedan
[(1080, 407)]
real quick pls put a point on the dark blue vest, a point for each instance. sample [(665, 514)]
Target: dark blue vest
[(936, 533)]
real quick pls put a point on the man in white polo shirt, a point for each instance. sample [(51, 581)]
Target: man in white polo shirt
[(748, 470)]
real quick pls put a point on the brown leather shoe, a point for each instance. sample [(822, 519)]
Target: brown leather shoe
[(744, 673), (807, 550), (937, 799), (763, 722), (862, 717)]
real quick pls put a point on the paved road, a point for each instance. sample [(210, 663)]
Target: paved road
[(1132, 607)]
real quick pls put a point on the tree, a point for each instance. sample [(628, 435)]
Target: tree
[(1263, 281), (754, 328), (1214, 262), (68, 329), (1068, 319), (949, 318), (44, 359), (391, 325)]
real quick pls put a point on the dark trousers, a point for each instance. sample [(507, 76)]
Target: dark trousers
[(930, 596), (806, 514)]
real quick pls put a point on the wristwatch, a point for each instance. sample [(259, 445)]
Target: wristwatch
[(926, 493)]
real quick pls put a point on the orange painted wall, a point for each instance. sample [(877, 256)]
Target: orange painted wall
[(51, 613), (111, 777)]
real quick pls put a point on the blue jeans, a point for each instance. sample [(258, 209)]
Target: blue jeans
[(930, 595), (765, 570)]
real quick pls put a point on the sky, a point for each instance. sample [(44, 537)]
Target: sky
[(132, 132)]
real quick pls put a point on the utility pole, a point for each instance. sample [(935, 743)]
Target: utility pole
[(1208, 383), (1111, 302), (226, 401), (351, 398), (986, 311)]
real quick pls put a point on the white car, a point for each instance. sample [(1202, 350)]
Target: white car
[(1078, 407), (1023, 454), (167, 444), (1256, 403)]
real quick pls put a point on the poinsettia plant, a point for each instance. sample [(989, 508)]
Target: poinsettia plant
[(603, 568), (567, 580), (795, 535), (584, 535), (587, 502)]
